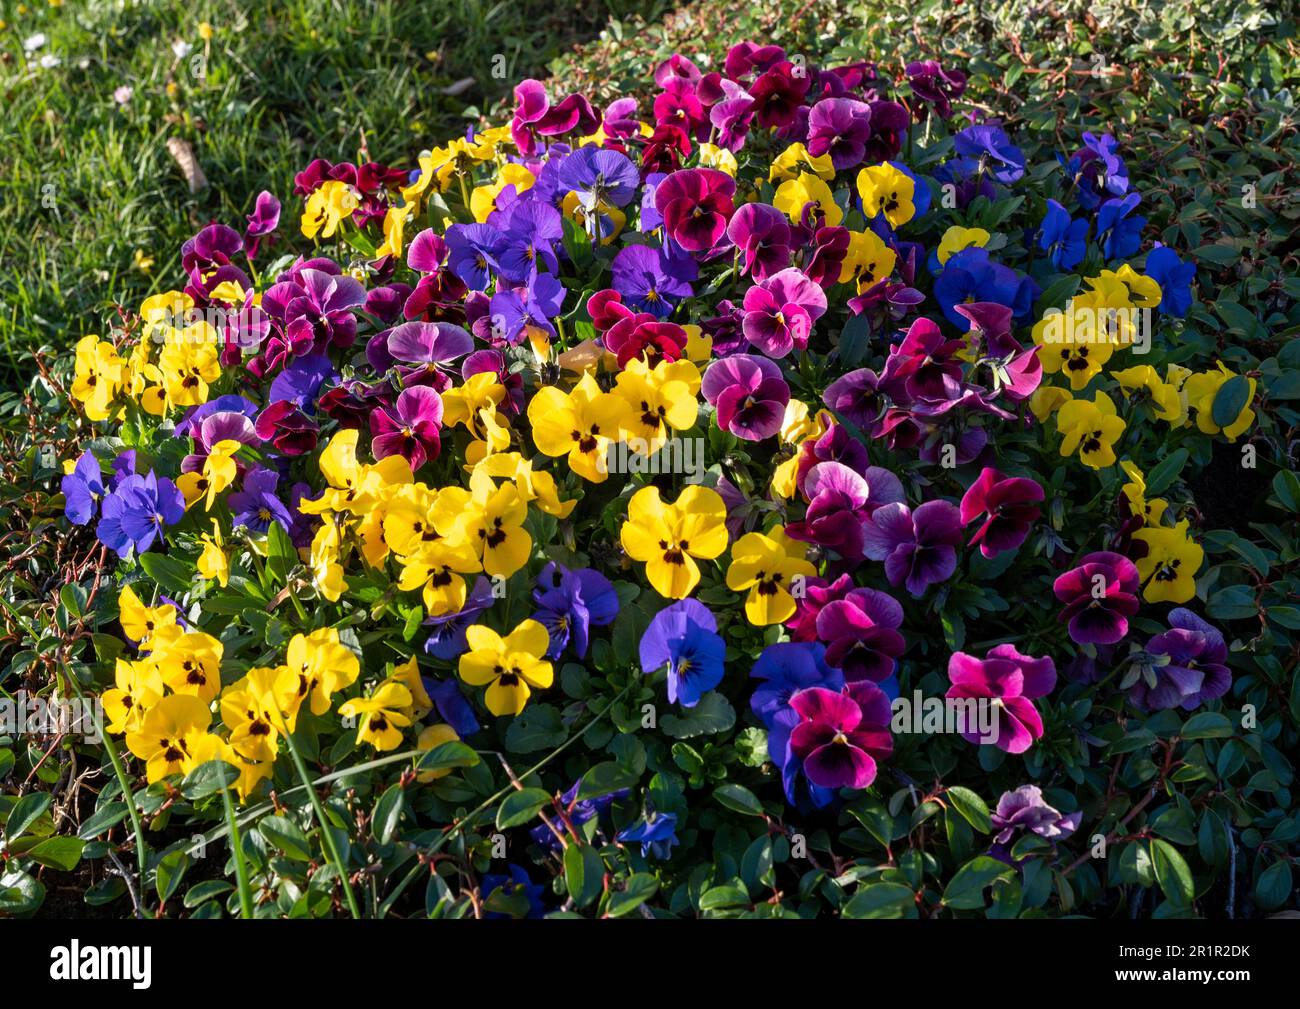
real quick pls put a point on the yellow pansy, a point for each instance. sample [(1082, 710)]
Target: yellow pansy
[(190, 663), (768, 565), (535, 485), (795, 161), (510, 667), (579, 425), (886, 190), (669, 537), (713, 156), (1091, 429), (490, 519), (139, 622), (474, 404), (1149, 510), (435, 569), (1142, 382), (395, 219), (213, 562), (323, 560), (138, 686), (794, 194), (98, 376), (797, 427), (1168, 571), (165, 739), (327, 207), (354, 487), (868, 260), (483, 200), (189, 364), (1046, 400), (1203, 388), (381, 716), (957, 238), (408, 675), (255, 709), (657, 400), (321, 666)]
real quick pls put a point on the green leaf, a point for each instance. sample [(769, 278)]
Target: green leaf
[(170, 574), (965, 891), (1212, 839), (1207, 725), (25, 812), (727, 895), (1286, 485), (1273, 886), (540, 727), (971, 807), (204, 891), (1165, 472), (58, 852), (584, 873), (208, 779), (882, 900), (739, 798), (606, 777), (640, 887), (713, 714), (1230, 400), (520, 807), (1236, 602), (448, 755), (388, 813), (1172, 873), (20, 894), (101, 820), (281, 832), (171, 870)]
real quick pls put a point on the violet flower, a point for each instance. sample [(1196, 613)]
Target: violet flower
[(257, 505), (1025, 810), (750, 395), (696, 205), (1195, 670), (919, 547), (861, 632), (1008, 505), (762, 234), (1010, 681), (570, 603), (840, 503), (410, 428), (841, 128), (781, 310), (841, 736), (1100, 594)]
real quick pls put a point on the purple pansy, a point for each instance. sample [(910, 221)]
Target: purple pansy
[(780, 312), (750, 395), (919, 547), (1009, 505), (1012, 681), (1100, 594)]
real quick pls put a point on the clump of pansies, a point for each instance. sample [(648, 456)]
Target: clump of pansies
[(457, 396)]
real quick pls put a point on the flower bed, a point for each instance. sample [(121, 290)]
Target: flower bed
[(757, 500)]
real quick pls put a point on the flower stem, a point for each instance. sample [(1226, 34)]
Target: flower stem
[(237, 852), (326, 836)]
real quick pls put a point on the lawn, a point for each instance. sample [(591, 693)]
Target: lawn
[(95, 207)]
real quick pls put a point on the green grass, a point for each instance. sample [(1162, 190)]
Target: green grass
[(86, 182)]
